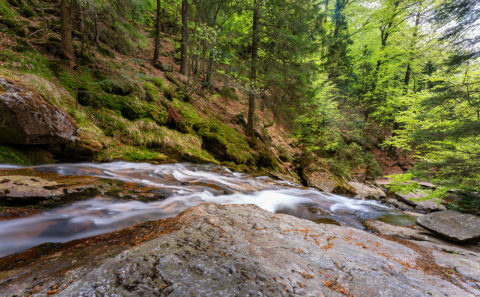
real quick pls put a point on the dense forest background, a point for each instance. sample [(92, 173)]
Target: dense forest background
[(352, 81)]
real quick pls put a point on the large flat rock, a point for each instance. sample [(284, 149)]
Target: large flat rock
[(452, 225), (241, 250)]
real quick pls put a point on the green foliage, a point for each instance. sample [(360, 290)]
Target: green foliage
[(9, 155), (151, 92)]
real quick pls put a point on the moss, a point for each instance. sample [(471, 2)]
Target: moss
[(170, 91), (117, 86), (151, 92), (173, 79), (189, 120), (285, 155), (159, 82), (266, 160), (6, 10), (26, 62), (130, 153), (184, 146), (9, 155), (225, 143)]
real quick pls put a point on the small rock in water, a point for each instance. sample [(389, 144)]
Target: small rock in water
[(416, 199), (452, 225), (367, 192)]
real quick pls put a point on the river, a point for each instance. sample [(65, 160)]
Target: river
[(184, 185)]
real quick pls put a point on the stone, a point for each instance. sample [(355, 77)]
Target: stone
[(417, 200), (19, 190), (241, 250), (452, 225), (26, 118), (367, 192)]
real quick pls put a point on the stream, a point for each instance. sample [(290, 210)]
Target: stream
[(184, 185)]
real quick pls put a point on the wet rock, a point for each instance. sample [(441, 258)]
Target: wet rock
[(452, 225), (399, 204), (28, 119), (17, 190), (367, 192), (345, 190), (241, 250), (320, 180), (417, 200)]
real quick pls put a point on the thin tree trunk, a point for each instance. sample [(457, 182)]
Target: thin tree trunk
[(412, 44), (82, 28), (66, 30), (253, 70), (95, 23), (158, 36), (183, 50)]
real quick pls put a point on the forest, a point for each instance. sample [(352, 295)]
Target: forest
[(344, 76), (240, 148)]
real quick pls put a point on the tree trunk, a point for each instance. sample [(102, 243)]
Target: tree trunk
[(66, 30), (158, 36), (412, 45), (183, 50), (95, 23), (253, 70), (82, 29)]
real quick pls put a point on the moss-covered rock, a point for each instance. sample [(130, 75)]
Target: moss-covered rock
[(225, 143), (116, 86), (118, 151)]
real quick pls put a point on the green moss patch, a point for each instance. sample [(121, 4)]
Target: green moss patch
[(225, 143)]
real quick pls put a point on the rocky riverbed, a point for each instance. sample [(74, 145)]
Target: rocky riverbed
[(124, 229)]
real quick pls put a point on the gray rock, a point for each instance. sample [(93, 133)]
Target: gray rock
[(26, 118), (452, 225), (367, 192), (20, 190), (416, 199), (241, 250)]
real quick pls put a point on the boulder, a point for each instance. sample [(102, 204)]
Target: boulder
[(26, 118), (241, 250), (417, 200), (452, 225), (367, 192)]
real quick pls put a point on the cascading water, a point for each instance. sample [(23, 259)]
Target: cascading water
[(184, 185)]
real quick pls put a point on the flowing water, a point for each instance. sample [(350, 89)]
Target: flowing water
[(184, 185)]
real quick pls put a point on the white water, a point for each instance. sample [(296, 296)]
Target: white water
[(186, 185)]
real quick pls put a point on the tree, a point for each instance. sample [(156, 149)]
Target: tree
[(158, 33), (253, 69), (184, 44), (66, 30)]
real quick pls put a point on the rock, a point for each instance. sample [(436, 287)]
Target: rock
[(320, 180), (367, 192), (399, 204), (464, 260), (26, 118), (416, 199), (241, 250), (345, 190), (452, 225), (400, 232), (19, 190), (85, 147)]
